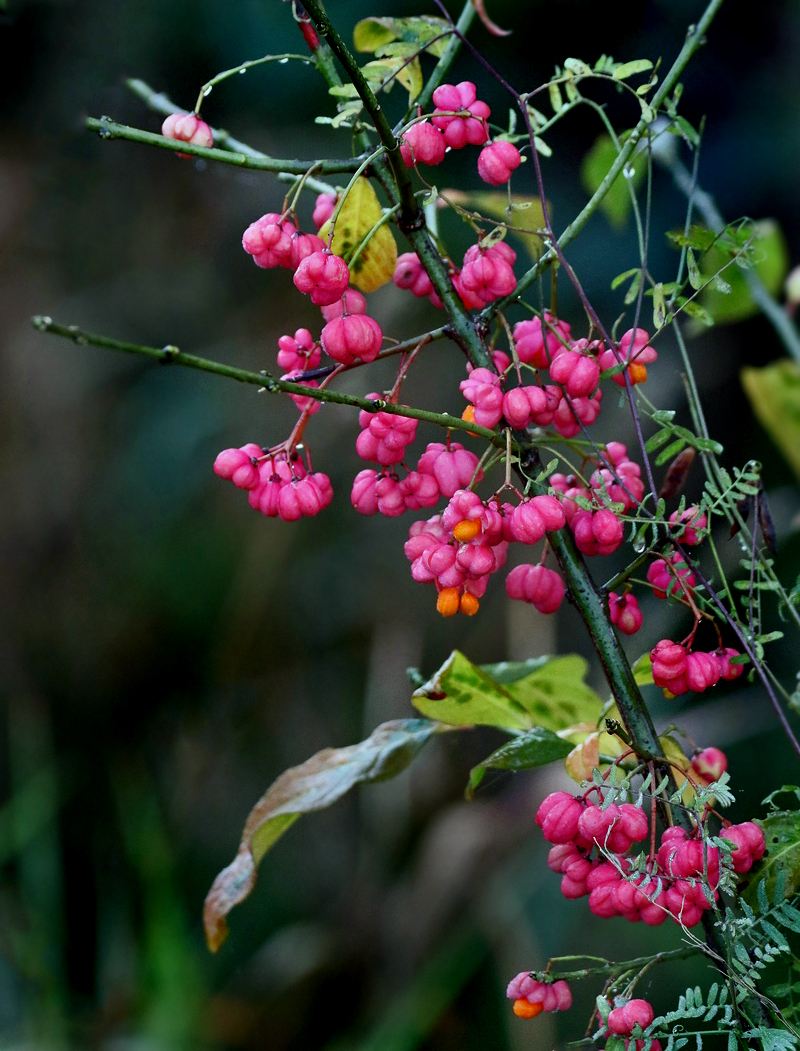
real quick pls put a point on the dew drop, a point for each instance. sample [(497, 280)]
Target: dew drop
[(628, 171), (242, 71), (207, 90), (282, 61), (639, 545)]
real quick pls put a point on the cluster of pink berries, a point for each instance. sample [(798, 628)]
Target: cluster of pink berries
[(531, 997), (350, 334), (486, 274), (678, 670), (278, 482), (442, 469), (460, 119), (462, 547), (591, 850)]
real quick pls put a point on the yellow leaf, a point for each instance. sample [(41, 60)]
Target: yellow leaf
[(583, 759), (375, 263)]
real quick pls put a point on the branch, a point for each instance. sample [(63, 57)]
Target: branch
[(411, 219), (170, 355), (109, 129)]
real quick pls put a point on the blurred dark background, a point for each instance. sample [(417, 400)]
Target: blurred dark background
[(166, 652)]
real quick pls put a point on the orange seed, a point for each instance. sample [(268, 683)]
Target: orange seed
[(523, 1009), (447, 602), (466, 530)]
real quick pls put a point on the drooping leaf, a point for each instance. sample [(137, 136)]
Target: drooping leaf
[(616, 204), (774, 393), (522, 215), (781, 863), (314, 785), (358, 215), (537, 747)]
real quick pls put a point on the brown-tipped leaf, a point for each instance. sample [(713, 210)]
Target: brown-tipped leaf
[(314, 785)]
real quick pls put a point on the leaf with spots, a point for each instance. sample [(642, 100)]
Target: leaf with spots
[(552, 696)]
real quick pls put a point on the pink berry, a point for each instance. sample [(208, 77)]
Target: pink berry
[(625, 613), (633, 348), (453, 466), (543, 588), (237, 466), (538, 342), (422, 143), (352, 337), (497, 161), (269, 241), (324, 208), (577, 373), (708, 765), (459, 117), (323, 276), (187, 127), (558, 817)]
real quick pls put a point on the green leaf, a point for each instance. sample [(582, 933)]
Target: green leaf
[(659, 306), (556, 100), (768, 256), (424, 31), (694, 310), (553, 695), (314, 785), (695, 237), (782, 859), (537, 747), (774, 393), (621, 278), (595, 166), (510, 671), (371, 33), (695, 277), (643, 671), (462, 694), (630, 69)]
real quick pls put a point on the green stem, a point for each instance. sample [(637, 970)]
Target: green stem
[(591, 605), (694, 40), (109, 129), (263, 380), (209, 85), (411, 219), (608, 967), (465, 20)]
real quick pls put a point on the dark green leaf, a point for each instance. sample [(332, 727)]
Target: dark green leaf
[(537, 747)]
